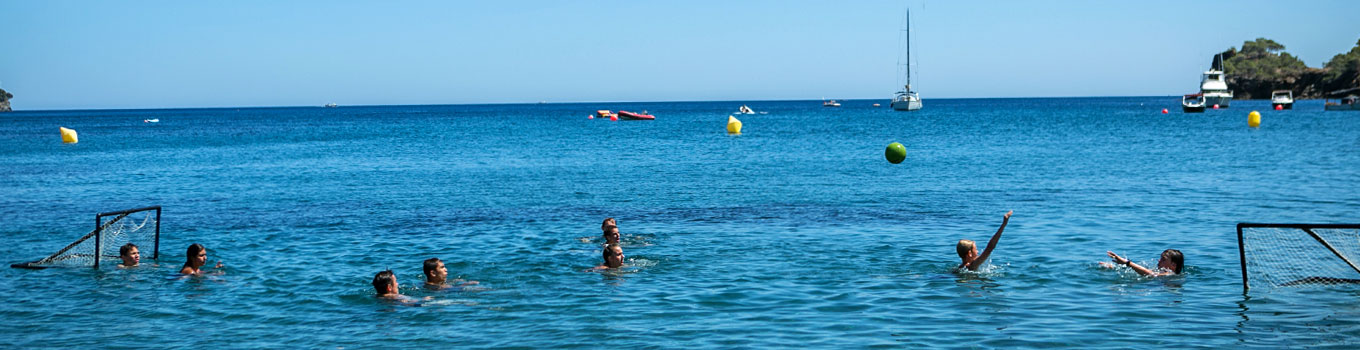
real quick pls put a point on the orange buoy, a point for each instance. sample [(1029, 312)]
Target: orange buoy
[(614, 118), (1215, 106), (1163, 110), (1279, 107)]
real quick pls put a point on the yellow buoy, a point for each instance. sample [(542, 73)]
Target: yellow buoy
[(68, 136), (1254, 119), (733, 125)]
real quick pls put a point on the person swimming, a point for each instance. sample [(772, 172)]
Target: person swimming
[(436, 275), (967, 249), (613, 257), (130, 255), (195, 257), (610, 234), (385, 285), (1172, 262)]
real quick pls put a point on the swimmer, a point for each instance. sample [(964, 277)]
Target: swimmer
[(195, 257), (131, 257), (968, 250), (1171, 263), (385, 284), (611, 235), (613, 257), (436, 275)]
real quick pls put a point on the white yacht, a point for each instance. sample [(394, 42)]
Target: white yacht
[(1282, 99), (1214, 87), (907, 100)]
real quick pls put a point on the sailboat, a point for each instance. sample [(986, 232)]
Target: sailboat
[(907, 100)]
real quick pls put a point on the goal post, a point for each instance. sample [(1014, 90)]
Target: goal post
[(1287, 255), (112, 230)]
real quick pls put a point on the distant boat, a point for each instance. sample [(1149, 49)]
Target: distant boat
[(831, 103), (878, 105), (604, 114), (1350, 102), (1192, 103), (151, 120), (1213, 86), (1284, 99), (745, 110), (907, 100), (636, 116), (331, 105)]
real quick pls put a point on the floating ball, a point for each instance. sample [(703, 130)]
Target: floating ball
[(69, 136), (1279, 107), (590, 117), (613, 118), (733, 125), (1215, 106), (1163, 110), (1254, 119), (895, 153)]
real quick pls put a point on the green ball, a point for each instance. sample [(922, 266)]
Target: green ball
[(895, 153)]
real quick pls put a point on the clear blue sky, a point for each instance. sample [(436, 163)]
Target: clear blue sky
[(156, 54)]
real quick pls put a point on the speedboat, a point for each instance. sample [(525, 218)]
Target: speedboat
[(1193, 103), (1282, 99), (636, 116), (831, 103), (1350, 102), (745, 110)]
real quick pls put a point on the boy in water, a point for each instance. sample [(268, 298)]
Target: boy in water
[(968, 250), (1171, 263), (385, 284), (131, 257), (613, 257), (611, 234), (436, 275)]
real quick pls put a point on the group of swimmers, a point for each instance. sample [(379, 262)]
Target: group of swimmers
[(194, 258), (1172, 262), (436, 278)]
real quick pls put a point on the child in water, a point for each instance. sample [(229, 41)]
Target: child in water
[(1171, 263), (195, 257), (436, 275), (613, 257), (968, 250), (130, 255)]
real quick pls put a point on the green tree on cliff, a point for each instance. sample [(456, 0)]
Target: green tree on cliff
[(1262, 59), (1344, 68)]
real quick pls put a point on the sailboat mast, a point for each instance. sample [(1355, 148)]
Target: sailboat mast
[(908, 49)]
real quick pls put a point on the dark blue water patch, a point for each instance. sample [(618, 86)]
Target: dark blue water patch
[(796, 233)]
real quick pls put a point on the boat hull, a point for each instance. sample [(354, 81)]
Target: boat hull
[(906, 105), (1221, 101), (635, 116), (1192, 109), (1335, 107)]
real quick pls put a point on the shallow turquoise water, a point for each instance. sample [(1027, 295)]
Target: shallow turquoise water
[(794, 234)]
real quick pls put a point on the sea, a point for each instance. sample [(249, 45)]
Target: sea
[(796, 233)]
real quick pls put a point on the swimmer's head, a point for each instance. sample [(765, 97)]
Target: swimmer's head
[(608, 222), (967, 249), (1172, 260), (129, 254), (435, 271), (611, 234), (196, 255), (613, 256), (385, 282)]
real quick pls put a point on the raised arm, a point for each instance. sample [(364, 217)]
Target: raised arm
[(991, 244), (1136, 268)]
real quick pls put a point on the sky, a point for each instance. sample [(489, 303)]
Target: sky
[(177, 54)]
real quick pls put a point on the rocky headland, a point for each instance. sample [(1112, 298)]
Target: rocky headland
[(1263, 65), (4, 100)]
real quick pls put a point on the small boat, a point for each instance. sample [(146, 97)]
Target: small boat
[(636, 116), (1284, 99), (1350, 102), (151, 120), (831, 103), (604, 113), (745, 110), (1193, 103), (878, 105), (331, 105)]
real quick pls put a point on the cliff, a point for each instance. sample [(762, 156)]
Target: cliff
[(1262, 66), (4, 100)]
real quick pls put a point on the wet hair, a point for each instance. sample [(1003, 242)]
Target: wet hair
[(609, 248), (965, 247), (192, 252), (607, 221), (430, 265), (126, 249), (1176, 258), (382, 280)]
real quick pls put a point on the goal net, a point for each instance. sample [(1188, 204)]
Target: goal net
[(112, 230), (1296, 255)]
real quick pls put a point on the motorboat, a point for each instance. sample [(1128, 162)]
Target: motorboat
[(831, 103), (156, 120), (636, 116), (331, 105), (604, 114), (1347, 100), (1193, 103), (745, 110), (1214, 86), (1282, 99), (906, 99)]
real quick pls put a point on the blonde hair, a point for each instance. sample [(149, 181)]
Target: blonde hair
[(965, 247)]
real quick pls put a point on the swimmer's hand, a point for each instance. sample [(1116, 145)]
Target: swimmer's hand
[(219, 264), (1008, 215), (1117, 259)]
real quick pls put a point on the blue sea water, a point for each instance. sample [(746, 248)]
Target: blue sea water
[(796, 233)]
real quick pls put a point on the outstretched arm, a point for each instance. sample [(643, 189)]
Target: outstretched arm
[(1136, 268), (991, 244)]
